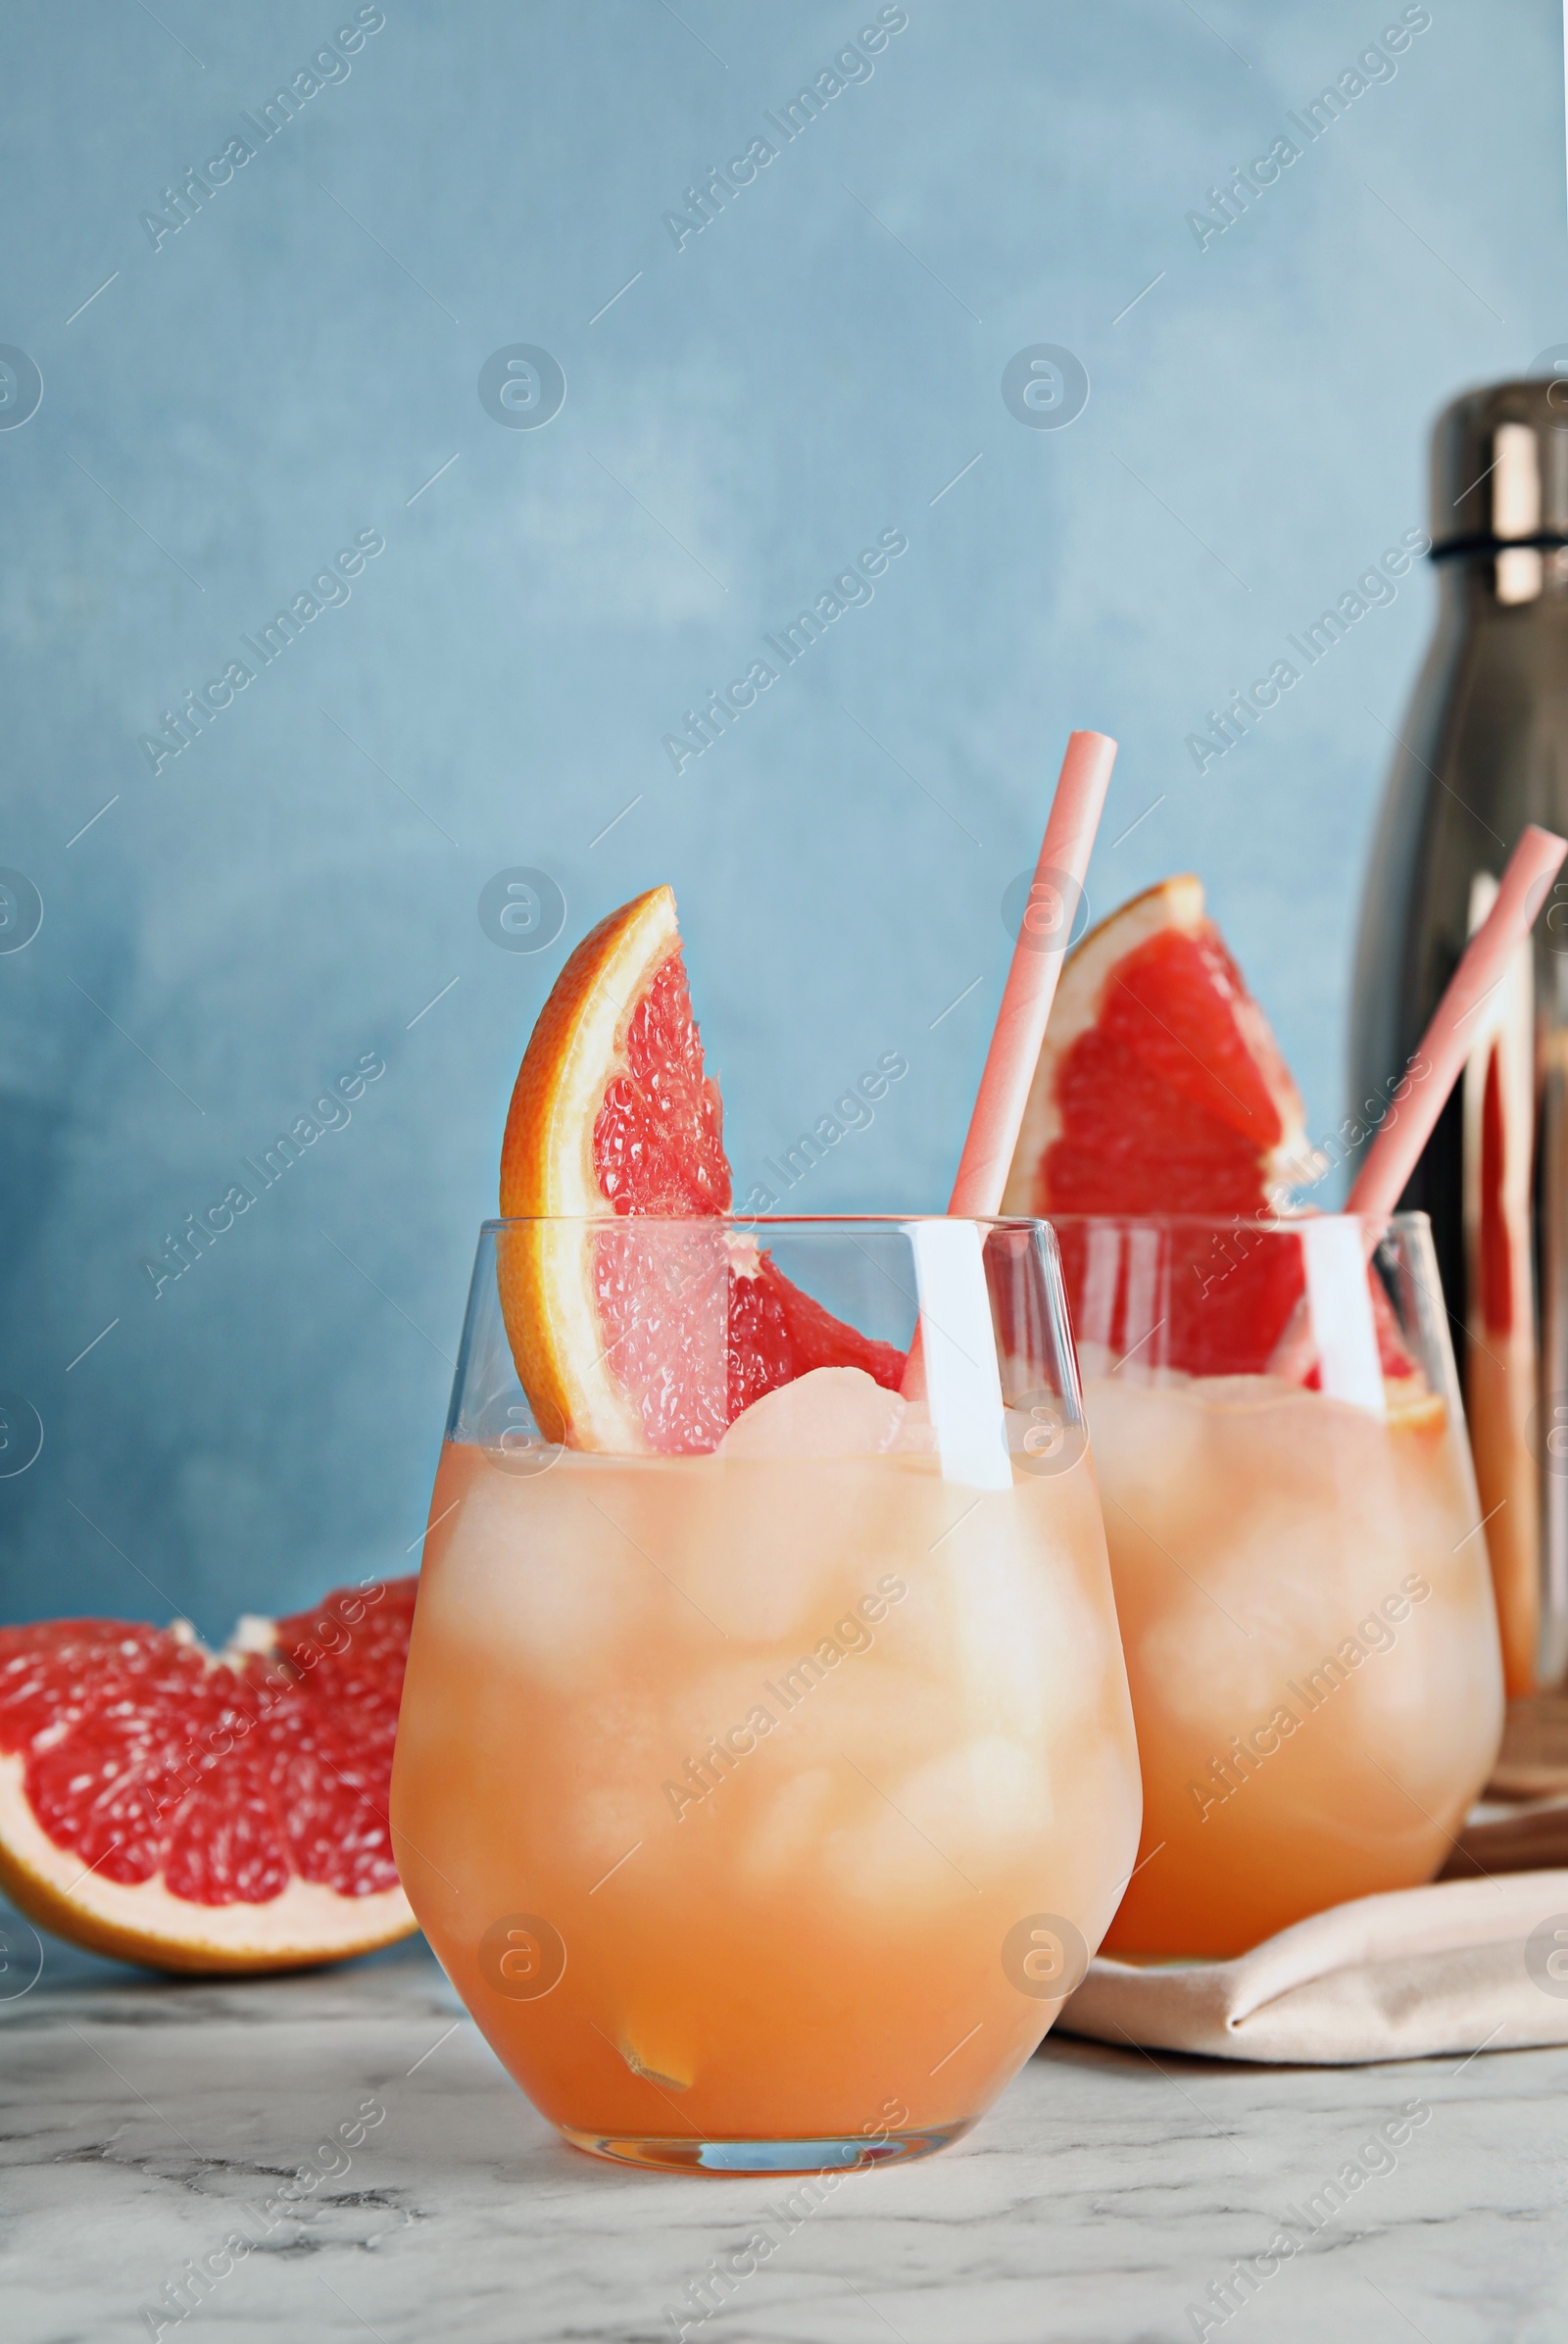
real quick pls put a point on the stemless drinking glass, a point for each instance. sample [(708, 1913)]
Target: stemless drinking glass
[(1300, 1568), (763, 1801)]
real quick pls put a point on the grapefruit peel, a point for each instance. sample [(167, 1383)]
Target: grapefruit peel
[(578, 1050)]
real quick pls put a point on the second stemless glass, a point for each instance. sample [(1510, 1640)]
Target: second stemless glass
[(764, 1804), (1300, 1567)]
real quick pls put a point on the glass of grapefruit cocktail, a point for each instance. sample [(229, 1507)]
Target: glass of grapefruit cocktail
[(1298, 1557), (765, 1773)]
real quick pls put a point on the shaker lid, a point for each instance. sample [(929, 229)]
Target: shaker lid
[(1500, 466)]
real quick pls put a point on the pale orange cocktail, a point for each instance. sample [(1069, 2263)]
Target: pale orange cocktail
[(763, 1804), (1301, 1577)]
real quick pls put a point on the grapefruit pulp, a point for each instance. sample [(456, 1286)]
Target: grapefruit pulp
[(195, 1813), (627, 1338), (1162, 1090)]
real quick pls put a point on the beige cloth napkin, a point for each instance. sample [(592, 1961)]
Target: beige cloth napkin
[(1446, 1969), (1475, 1963)]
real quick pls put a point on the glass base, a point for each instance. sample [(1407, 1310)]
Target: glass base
[(844, 2152)]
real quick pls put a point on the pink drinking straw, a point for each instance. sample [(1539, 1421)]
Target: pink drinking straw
[(1031, 986), (1448, 1039), (1437, 1062), (1030, 990)]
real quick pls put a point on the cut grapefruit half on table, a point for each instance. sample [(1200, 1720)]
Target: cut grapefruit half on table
[(194, 1813), (631, 1339), (1160, 1090)]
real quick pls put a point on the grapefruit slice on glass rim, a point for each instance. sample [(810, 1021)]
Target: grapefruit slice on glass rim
[(200, 1813), (1160, 1090), (619, 1335)]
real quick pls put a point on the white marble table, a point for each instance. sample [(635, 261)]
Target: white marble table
[(139, 2119)]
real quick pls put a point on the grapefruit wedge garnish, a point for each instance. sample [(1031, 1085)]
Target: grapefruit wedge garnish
[(207, 1814), (1160, 1090), (627, 1338)]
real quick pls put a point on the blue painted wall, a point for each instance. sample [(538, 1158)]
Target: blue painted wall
[(749, 403)]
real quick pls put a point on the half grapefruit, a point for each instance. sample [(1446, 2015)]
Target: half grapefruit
[(195, 1813), (627, 1338)]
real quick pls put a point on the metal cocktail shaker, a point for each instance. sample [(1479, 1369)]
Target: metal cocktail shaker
[(1483, 751)]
